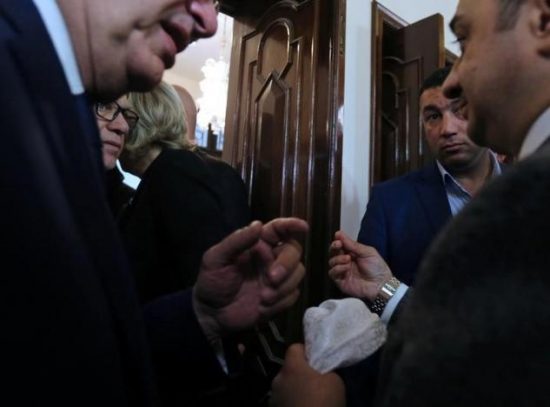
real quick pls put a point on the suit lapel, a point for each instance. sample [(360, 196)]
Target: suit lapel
[(432, 196), (55, 106), (72, 139), (546, 143)]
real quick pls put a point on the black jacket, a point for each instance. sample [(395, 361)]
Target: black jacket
[(186, 202)]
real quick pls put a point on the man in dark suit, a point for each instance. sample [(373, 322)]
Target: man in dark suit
[(476, 329), (406, 213), (72, 331)]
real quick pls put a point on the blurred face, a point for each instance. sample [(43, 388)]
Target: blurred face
[(445, 131), (112, 133), (132, 42), (490, 75)]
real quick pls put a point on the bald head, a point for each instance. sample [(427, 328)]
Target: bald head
[(190, 110)]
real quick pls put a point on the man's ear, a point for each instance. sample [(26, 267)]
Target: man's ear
[(541, 25)]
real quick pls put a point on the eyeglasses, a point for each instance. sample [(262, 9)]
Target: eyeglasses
[(110, 111)]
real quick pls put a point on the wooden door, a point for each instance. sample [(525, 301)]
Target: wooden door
[(403, 56), (285, 89)]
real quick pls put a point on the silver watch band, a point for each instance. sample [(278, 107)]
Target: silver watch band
[(386, 292)]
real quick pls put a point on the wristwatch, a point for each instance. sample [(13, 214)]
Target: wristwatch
[(386, 292)]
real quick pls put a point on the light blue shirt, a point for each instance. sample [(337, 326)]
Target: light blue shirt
[(456, 194)]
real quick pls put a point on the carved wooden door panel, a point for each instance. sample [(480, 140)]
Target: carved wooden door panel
[(405, 56), (281, 133)]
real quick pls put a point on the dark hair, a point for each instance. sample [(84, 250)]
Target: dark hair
[(508, 14), (436, 79)]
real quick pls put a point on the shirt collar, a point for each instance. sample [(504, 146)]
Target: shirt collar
[(537, 135), (448, 179), (445, 175), (57, 29)]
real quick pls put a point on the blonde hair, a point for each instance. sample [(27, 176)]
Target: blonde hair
[(161, 122)]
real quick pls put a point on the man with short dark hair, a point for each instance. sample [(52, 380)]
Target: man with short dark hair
[(72, 332), (476, 329), (406, 213)]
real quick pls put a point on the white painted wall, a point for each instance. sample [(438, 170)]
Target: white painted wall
[(415, 10), (356, 142)]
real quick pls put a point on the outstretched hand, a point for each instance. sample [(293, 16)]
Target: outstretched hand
[(297, 384), (249, 276), (358, 270)]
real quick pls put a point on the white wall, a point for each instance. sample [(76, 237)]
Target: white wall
[(191, 84), (356, 143)]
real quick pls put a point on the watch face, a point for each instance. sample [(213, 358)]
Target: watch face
[(389, 288)]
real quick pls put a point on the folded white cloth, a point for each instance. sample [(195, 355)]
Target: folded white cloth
[(340, 333)]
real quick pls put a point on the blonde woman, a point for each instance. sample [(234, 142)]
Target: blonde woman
[(186, 202)]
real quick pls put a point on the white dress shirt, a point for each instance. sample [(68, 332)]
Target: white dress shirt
[(57, 29)]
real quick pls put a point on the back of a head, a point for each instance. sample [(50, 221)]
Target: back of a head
[(161, 122), (189, 108)]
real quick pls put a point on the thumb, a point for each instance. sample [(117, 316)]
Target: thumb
[(358, 249), (295, 355)]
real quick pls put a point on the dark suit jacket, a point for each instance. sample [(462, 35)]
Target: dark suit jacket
[(403, 217), (72, 331), (477, 327), (118, 193), (186, 203)]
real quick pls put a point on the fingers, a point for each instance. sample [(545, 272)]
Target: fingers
[(288, 257), (280, 276), (233, 245), (292, 278), (339, 260), (348, 244), (268, 311), (284, 229), (283, 277), (295, 354), (339, 272), (336, 245), (287, 384), (277, 264), (351, 246), (335, 249)]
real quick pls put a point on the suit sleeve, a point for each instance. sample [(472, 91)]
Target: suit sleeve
[(373, 226), (186, 367), (187, 219)]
